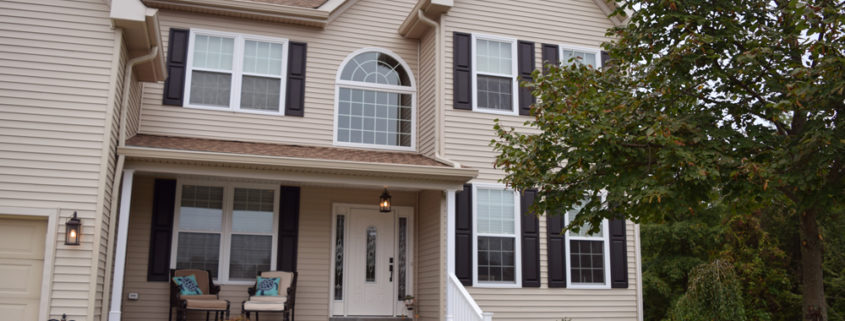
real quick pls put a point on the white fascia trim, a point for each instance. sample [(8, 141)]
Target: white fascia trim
[(517, 239), (514, 81)]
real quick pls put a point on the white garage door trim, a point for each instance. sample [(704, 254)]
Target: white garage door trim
[(49, 250)]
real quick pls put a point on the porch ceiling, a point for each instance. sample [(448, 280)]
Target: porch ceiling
[(305, 164)]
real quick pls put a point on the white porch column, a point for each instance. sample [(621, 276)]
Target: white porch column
[(120, 249), (450, 252), (450, 229)]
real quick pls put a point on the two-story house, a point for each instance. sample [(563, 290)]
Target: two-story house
[(240, 136)]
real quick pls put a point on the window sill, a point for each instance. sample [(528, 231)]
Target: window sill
[(374, 146), (496, 285), (234, 111), (495, 111), (587, 286)]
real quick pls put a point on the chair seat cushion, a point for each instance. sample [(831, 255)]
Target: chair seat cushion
[(268, 299), (263, 306), (199, 297), (192, 304)]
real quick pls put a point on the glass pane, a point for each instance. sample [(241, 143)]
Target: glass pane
[(496, 259), (374, 117), (403, 241), (494, 57), (263, 58), (250, 254), (371, 254), (584, 228), (253, 211), (377, 68), (259, 93), (338, 258), (201, 208), (495, 211), (210, 88), (581, 57), (213, 52), (495, 92), (198, 251), (586, 261)]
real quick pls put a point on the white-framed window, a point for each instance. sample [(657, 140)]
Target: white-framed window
[(375, 101), (229, 71), (588, 264), (228, 229), (496, 228), (494, 75), (582, 55)]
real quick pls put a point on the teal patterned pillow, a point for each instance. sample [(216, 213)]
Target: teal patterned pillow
[(187, 284), (267, 286)]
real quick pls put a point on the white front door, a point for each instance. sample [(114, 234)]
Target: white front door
[(371, 259)]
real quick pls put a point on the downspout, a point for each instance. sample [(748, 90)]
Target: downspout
[(438, 138), (121, 159)]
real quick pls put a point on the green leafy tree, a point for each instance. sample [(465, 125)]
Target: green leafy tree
[(703, 101), (714, 295)]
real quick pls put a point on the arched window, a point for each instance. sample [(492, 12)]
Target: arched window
[(375, 101)]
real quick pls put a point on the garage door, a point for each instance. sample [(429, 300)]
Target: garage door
[(21, 266)]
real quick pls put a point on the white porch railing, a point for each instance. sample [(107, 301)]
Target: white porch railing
[(459, 304)]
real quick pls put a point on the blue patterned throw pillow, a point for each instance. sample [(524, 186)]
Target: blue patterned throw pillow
[(267, 286), (187, 284)]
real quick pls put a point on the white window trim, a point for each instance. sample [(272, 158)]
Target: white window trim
[(412, 90), (236, 72), (517, 239), (514, 81), (226, 227), (593, 50), (605, 237)]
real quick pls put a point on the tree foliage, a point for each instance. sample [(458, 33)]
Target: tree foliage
[(704, 101), (714, 295)]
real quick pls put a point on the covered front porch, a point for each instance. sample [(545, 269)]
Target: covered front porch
[(238, 215)]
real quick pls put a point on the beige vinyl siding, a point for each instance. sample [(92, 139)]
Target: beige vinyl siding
[(56, 59), (427, 100), (578, 22), (314, 257), (553, 304), (467, 137), (367, 23), (133, 114), (431, 263)]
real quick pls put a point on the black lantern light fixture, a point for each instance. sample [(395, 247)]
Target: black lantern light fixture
[(384, 202), (72, 230)]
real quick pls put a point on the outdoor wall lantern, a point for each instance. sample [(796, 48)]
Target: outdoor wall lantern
[(384, 202), (72, 230)]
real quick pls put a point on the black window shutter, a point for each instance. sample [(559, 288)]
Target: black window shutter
[(551, 55), (295, 94), (525, 66), (605, 59), (177, 53), (463, 235), (530, 241), (462, 46), (556, 250), (288, 229), (618, 255), (161, 230)]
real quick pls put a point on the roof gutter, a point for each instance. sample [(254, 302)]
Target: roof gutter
[(141, 33), (412, 26), (318, 17)]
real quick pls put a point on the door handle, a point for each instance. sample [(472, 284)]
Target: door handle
[(390, 268)]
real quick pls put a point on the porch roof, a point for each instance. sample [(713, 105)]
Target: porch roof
[(359, 166)]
